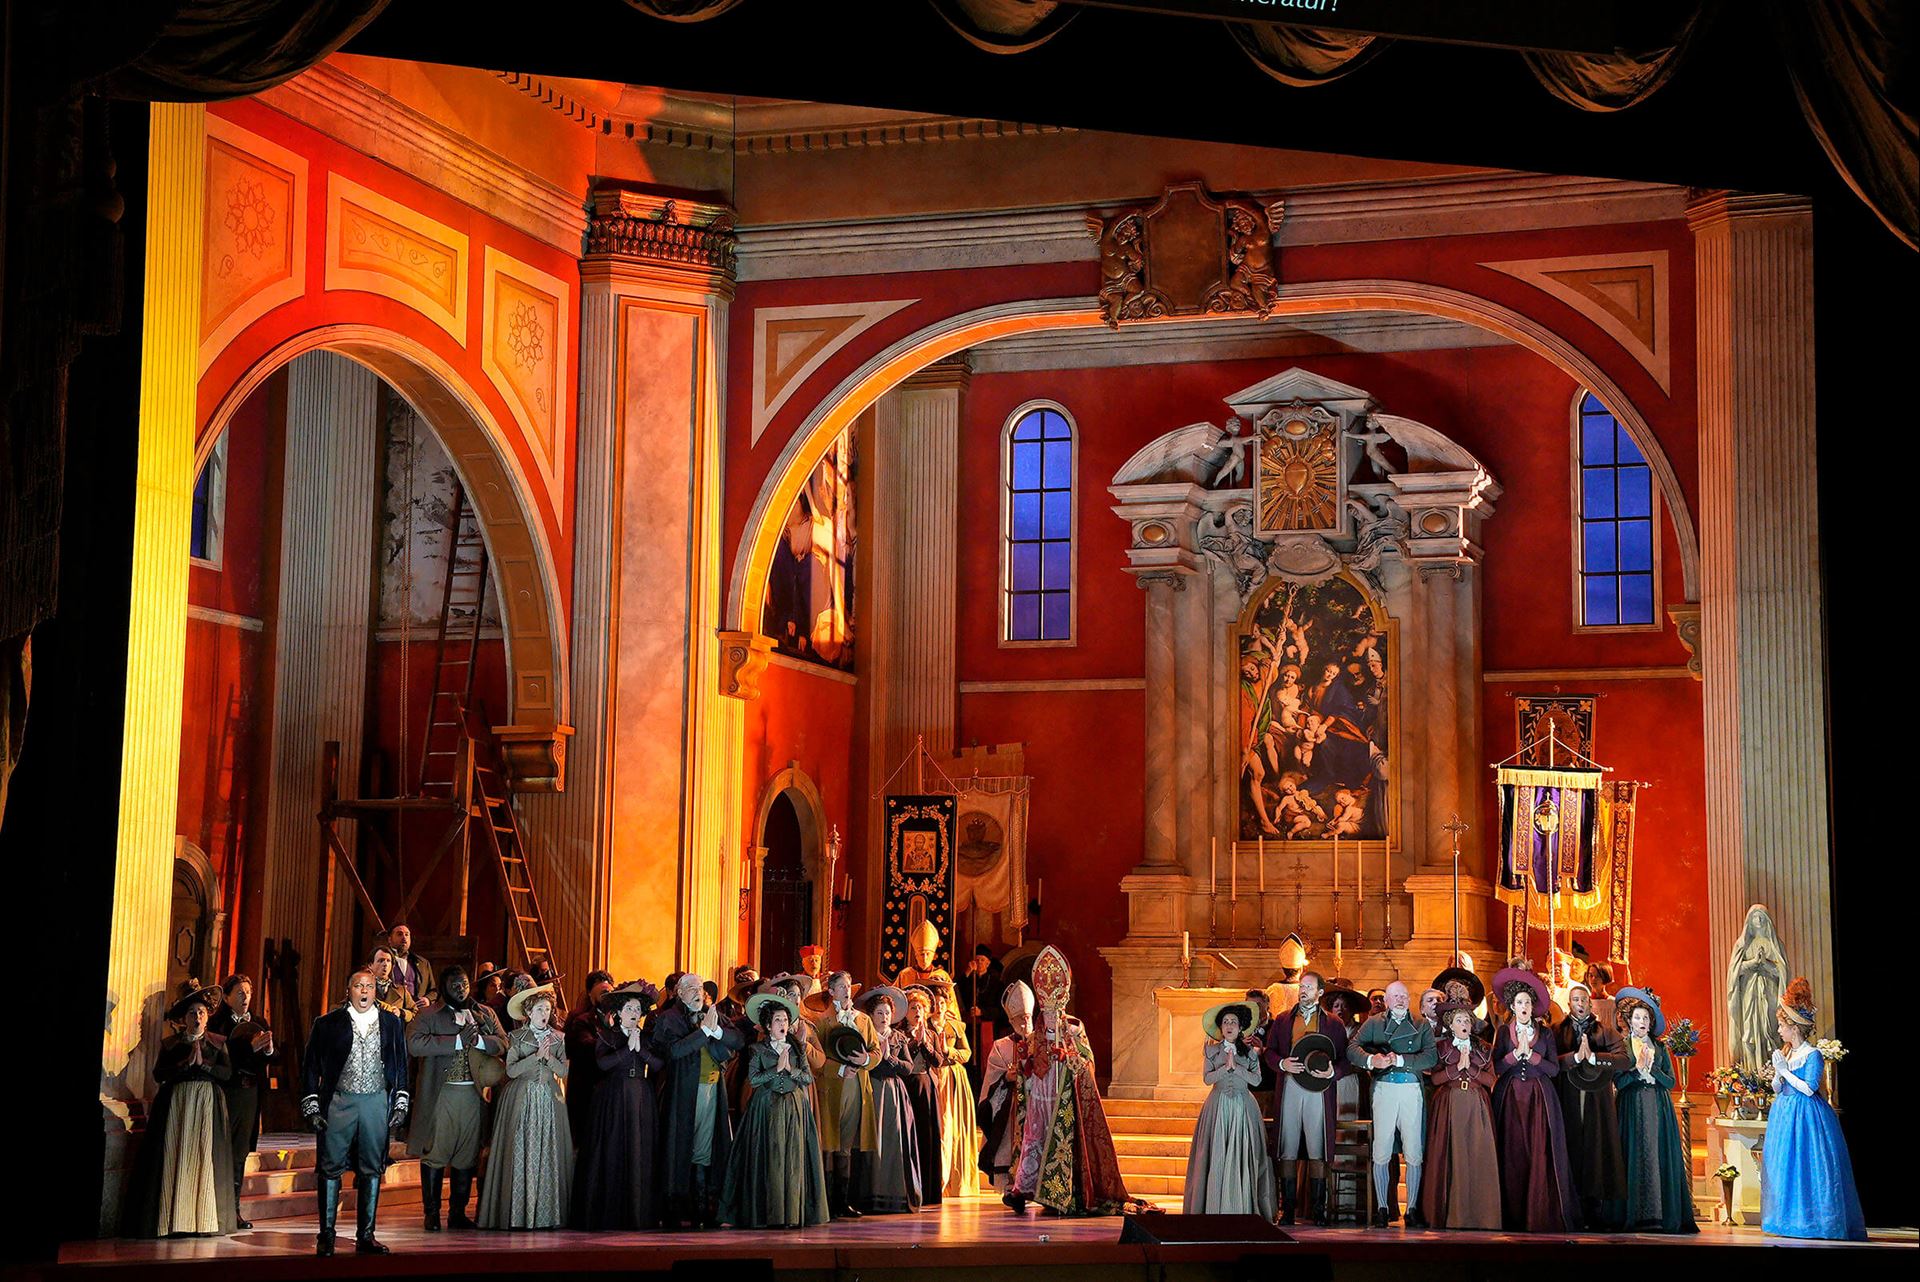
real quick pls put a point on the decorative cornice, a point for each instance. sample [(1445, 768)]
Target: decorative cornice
[(1345, 214), (354, 113), (685, 237), (1054, 685), (1538, 675), (1709, 208), (1181, 342), (699, 122)]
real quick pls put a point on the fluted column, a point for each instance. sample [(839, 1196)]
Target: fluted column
[(638, 859), (570, 830), (321, 638), (907, 622), (1764, 666), (157, 637)]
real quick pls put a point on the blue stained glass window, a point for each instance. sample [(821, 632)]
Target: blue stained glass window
[(1039, 531), (1617, 532)]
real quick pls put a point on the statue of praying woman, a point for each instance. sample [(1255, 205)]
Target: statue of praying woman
[(1756, 976)]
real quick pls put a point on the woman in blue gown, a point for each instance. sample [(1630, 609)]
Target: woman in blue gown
[(1806, 1183)]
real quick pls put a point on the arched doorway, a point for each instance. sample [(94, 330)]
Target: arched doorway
[(195, 925), (786, 889)]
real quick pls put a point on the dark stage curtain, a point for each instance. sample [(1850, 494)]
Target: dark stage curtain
[(212, 49), (1304, 56), (1006, 26), (1847, 58)]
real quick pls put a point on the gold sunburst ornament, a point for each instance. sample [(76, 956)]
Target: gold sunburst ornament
[(1299, 482)]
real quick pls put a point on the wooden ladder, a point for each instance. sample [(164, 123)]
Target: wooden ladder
[(456, 649), (499, 824)]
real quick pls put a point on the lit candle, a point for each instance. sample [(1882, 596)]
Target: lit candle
[(1186, 949), (1336, 950), (1213, 868)]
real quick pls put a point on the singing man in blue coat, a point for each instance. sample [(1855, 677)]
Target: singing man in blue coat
[(355, 1098)]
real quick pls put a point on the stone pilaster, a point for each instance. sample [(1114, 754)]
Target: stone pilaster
[(1763, 659), (647, 832), (157, 635), (321, 639), (908, 620)]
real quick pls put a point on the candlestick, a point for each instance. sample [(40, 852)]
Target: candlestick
[(1336, 871), (1260, 857), (1386, 895), (1213, 917), (1233, 881), (1360, 893)]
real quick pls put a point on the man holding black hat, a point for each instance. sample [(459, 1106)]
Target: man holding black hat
[(460, 1047), (355, 1079), (1304, 1115), (846, 1093)]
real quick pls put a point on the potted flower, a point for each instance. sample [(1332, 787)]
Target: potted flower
[(1833, 1052), (1727, 1174), (1683, 1042), (1726, 1085)]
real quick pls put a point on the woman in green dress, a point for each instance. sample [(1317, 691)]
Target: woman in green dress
[(775, 1178), (1659, 1192)]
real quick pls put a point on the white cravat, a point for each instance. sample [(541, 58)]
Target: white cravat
[(363, 1020)]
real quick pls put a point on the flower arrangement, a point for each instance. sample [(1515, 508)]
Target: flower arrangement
[(1726, 1173), (1830, 1049), (1682, 1039), (1724, 1080)]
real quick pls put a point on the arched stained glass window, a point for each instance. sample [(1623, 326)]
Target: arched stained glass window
[(1616, 553), (1037, 527)]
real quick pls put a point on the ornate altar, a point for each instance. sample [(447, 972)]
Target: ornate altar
[(1312, 697)]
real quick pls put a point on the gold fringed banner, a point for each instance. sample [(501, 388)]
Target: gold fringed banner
[(1609, 905), (1617, 815)]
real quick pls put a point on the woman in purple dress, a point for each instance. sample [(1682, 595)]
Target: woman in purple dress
[(1536, 1182)]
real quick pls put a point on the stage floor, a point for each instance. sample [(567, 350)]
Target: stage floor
[(977, 1237)]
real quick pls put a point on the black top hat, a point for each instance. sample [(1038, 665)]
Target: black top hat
[(842, 1042), (1315, 1050)]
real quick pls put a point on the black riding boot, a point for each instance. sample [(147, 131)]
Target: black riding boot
[(1289, 1190), (431, 1179), (369, 1199), (457, 1201), (329, 1193), (1317, 1194)]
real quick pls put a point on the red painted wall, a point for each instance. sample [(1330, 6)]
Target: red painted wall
[(1085, 749), (804, 719), (224, 705)]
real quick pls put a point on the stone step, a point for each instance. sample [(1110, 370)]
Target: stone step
[(1174, 1166), (1150, 1146), (1131, 1108), (1163, 1125), (403, 1198), (1155, 1185), (304, 1179)]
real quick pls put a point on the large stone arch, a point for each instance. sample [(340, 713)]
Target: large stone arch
[(895, 363), (526, 578)]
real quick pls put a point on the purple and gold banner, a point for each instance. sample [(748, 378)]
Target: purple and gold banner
[(1548, 825)]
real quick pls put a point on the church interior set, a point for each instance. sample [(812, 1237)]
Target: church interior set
[(1127, 495)]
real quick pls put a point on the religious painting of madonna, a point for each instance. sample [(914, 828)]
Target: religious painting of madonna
[(1314, 708), (809, 606)]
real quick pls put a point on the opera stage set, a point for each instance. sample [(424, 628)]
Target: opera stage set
[(574, 485)]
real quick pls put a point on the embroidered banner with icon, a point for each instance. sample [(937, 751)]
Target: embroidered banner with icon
[(1548, 825), (919, 883)]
